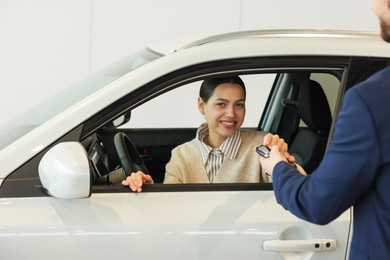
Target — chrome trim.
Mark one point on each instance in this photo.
(297, 33)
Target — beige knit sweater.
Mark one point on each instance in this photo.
(186, 164)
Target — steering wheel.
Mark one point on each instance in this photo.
(128, 155)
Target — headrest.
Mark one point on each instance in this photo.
(313, 106)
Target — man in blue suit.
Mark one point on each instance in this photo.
(355, 170)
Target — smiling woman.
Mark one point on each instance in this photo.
(221, 152)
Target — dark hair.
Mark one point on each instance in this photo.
(208, 86)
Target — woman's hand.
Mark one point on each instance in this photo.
(136, 180)
(279, 152)
(271, 140)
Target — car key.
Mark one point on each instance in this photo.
(263, 151)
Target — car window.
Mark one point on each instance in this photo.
(171, 119)
(162, 123)
(178, 108)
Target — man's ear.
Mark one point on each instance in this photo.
(201, 105)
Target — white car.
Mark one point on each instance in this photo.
(60, 191)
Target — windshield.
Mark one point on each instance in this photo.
(50, 107)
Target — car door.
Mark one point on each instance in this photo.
(216, 224)
(186, 221)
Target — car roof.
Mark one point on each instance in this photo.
(321, 37)
(298, 33)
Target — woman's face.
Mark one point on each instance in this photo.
(224, 112)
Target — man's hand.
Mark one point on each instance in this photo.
(278, 153)
(269, 163)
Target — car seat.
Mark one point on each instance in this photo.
(310, 142)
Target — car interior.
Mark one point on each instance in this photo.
(297, 109)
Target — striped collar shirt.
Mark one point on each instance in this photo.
(214, 157)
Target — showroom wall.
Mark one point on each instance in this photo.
(46, 45)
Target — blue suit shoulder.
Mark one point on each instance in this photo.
(374, 91)
(378, 80)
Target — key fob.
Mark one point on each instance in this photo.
(263, 151)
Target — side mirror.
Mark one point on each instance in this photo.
(64, 171)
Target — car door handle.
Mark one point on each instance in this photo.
(310, 245)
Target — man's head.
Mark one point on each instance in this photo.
(382, 9)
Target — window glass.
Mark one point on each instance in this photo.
(52, 105)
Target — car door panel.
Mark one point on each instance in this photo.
(160, 225)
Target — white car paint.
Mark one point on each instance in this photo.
(189, 225)
(169, 225)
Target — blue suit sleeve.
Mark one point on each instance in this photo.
(346, 172)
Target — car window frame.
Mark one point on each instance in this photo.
(31, 185)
